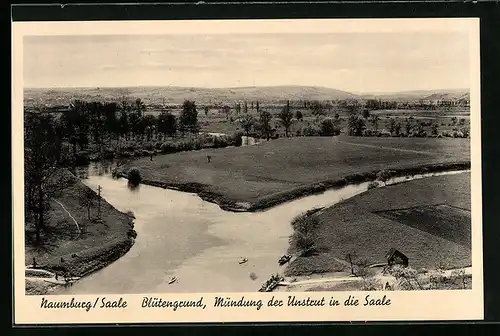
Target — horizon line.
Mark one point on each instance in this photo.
(248, 87)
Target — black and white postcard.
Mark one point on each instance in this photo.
(247, 171)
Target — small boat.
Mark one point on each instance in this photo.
(172, 280)
(242, 261)
(62, 280)
(284, 259)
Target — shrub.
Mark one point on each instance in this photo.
(310, 131)
(384, 133)
(372, 185)
(305, 223)
(370, 284)
(236, 139)
(385, 175)
(134, 176)
(302, 239)
(328, 128)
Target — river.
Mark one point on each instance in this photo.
(179, 234)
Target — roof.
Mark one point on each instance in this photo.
(392, 252)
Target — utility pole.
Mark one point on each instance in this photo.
(99, 188)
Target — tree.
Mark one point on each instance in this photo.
(257, 106)
(111, 123)
(227, 111)
(298, 115)
(245, 107)
(392, 125)
(167, 124)
(374, 119)
(247, 122)
(139, 107)
(434, 129)
(149, 123)
(265, 126)
(41, 152)
(88, 198)
(286, 117)
(189, 117)
(76, 123)
(397, 129)
(317, 108)
(134, 123)
(329, 128)
(96, 120)
(355, 125)
(366, 113)
(352, 257)
(408, 126)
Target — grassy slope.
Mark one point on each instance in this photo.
(352, 226)
(257, 173)
(99, 245)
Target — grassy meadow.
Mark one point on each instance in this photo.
(274, 169)
(355, 227)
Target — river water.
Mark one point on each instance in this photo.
(179, 234)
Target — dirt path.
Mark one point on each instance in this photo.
(392, 148)
(69, 214)
(321, 279)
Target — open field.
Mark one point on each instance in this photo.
(272, 172)
(355, 226)
(82, 247)
(217, 122)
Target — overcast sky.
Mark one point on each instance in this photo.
(355, 62)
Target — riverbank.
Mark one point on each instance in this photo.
(228, 204)
(428, 220)
(258, 177)
(71, 242)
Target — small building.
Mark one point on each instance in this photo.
(394, 257)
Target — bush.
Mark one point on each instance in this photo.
(384, 133)
(372, 185)
(328, 128)
(385, 175)
(134, 176)
(311, 131)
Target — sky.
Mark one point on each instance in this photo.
(354, 62)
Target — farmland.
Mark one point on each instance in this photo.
(356, 227)
(279, 168)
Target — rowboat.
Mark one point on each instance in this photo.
(284, 259)
(61, 281)
(172, 280)
(242, 261)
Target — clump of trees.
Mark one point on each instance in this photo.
(42, 153)
(302, 239)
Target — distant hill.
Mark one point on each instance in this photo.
(176, 95)
(264, 94)
(452, 94)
